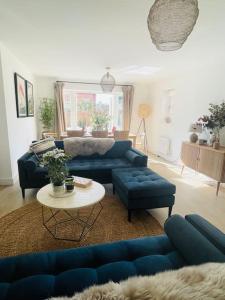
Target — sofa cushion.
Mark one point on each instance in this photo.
(191, 243)
(135, 158)
(41, 147)
(213, 234)
(98, 164)
(60, 273)
(118, 150)
(142, 183)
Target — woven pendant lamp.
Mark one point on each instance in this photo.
(107, 82)
(170, 22)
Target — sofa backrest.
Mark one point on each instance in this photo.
(195, 246)
(118, 150)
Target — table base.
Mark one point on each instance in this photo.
(85, 222)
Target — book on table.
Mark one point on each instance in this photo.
(82, 182)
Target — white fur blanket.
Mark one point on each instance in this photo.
(86, 146)
(190, 283)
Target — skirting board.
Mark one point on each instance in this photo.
(8, 181)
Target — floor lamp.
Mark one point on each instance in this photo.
(143, 113)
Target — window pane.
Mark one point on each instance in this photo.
(81, 107)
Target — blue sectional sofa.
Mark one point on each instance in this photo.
(97, 167)
(189, 241)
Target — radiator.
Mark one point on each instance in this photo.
(164, 145)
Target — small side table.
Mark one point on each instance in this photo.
(69, 210)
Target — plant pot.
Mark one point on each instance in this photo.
(58, 190)
(216, 145)
(69, 183)
(193, 137)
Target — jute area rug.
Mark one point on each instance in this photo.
(22, 230)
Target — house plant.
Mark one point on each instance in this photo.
(100, 120)
(55, 161)
(47, 113)
(215, 121)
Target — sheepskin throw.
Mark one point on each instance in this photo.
(201, 283)
(75, 146)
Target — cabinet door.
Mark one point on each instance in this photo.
(189, 155)
(211, 163)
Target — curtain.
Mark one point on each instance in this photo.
(128, 95)
(60, 115)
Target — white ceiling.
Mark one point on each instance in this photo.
(77, 39)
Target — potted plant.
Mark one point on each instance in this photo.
(100, 120)
(55, 161)
(215, 121)
(47, 113)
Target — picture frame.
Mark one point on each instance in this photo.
(21, 98)
(30, 99)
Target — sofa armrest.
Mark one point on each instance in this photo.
(26, 164)
(190, 243)
(213, 234)
(136, 158)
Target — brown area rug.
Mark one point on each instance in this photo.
(22, 231)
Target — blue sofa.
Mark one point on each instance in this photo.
(189, 241)
(97, 167)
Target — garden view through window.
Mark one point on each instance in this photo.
(93, 110)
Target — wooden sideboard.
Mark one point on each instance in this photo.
(205, 160)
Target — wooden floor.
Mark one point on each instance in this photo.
(195, 194)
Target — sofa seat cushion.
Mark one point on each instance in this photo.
(61, 273)
(98, 164)
(142, 183)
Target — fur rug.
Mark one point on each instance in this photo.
(75, 146)
(201, 283)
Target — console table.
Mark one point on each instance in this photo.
(205, 160)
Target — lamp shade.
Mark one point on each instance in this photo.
(107, 82)
(170, 22)
(144, 111)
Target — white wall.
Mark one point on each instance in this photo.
(19, 132)
(45, 89)
(192, 93)
(5, 163)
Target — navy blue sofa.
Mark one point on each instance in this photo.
(189, 241)
(97, 167)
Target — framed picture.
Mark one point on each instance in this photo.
(20, 90)
(30, 99)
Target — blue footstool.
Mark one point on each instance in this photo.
(141, 188)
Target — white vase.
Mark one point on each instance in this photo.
(58, 190)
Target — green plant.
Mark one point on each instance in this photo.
(55, 161)
(217, 117)
(100, 120)
(47, 113)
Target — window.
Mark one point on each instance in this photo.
(81, 108)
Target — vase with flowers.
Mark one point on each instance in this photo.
(55, 161)
(215, 122)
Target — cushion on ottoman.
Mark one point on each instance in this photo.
(142, 183)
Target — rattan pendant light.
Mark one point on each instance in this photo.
(107, 82)
(170, 22)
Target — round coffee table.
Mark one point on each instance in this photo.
(79, 210)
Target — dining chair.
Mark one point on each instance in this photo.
(121, 134)
(47, 134)
(100, 133)
(75, 133)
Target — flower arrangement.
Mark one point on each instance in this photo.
(216, 120)
(55, 161)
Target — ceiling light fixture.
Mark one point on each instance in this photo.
(170, 22)
(107, 82)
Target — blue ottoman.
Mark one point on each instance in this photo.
(141, 188)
